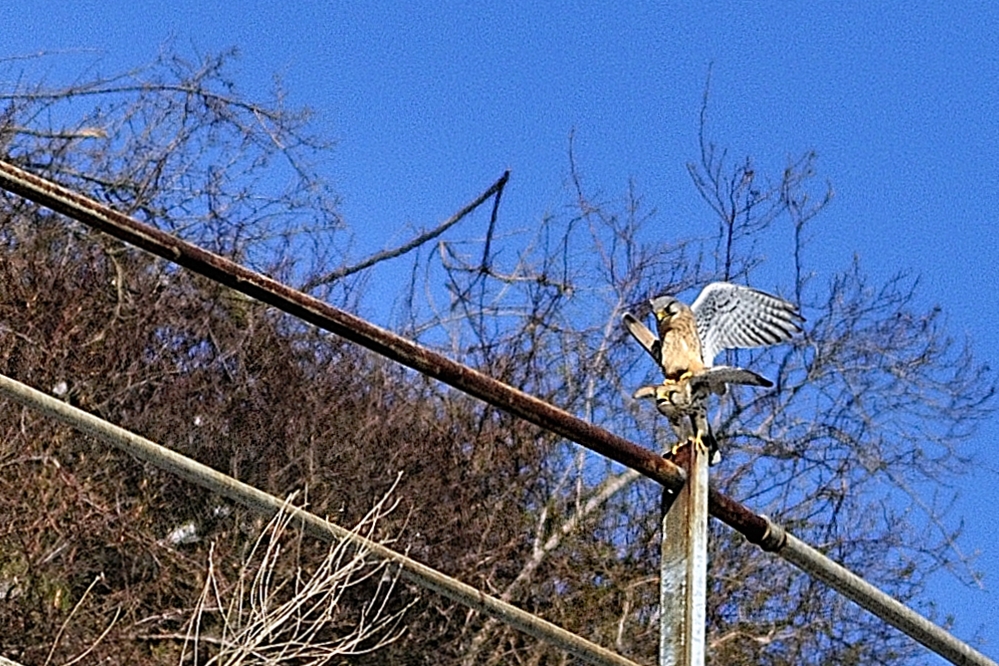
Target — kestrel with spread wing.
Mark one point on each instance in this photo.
(724, 316)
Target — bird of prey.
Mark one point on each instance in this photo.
(724, 316)
(685, 402)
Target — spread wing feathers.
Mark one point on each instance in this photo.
(714, 379)
(732, 316)
(645, 337)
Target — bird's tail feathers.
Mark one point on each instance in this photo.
(714, 454)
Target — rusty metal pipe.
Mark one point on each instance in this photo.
(337, 321)
(756, 529)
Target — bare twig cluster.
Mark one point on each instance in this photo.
(278, 614)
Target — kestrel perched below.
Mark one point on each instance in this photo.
(724, 316)
(685, 402)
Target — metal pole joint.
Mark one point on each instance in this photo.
(774, 538)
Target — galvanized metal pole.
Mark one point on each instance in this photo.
(684, 564)
(257, 500)
(867, 596)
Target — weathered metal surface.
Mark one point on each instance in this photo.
(266, 504)
(892, 611)
(337, 321)
(683, 568)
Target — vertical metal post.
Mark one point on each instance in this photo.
(683, 568)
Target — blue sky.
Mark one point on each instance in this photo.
(431, 102)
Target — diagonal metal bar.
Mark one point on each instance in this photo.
(266, 504)
(757, 529)
(337, 321)
(858, 590)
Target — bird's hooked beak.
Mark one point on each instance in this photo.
(664, 307)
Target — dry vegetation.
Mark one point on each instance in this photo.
(872, 404)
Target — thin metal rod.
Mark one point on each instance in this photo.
(683, 574)
(266, 504)
(865, 595)
(757, 529)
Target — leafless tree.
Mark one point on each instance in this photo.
(868, 420)
(852, 450)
